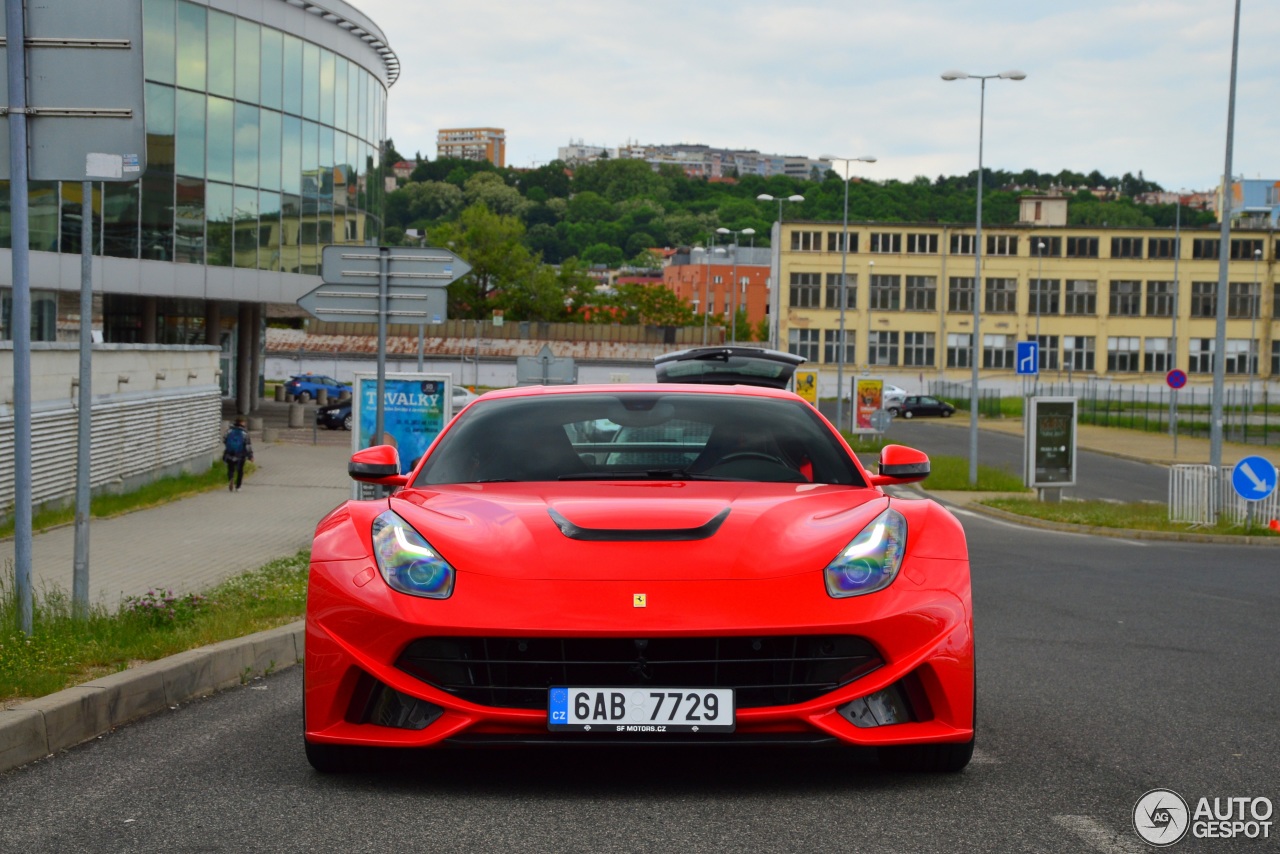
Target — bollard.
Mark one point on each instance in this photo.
(280, 394)
(270, 434)
(296, 414)
(255, 424)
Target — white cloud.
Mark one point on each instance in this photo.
(1113, 85)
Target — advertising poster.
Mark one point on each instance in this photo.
(1051, 435)
(415, 409)
(807, 385)
(868, 396)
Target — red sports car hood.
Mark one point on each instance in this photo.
(639, 530)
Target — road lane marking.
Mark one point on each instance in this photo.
(1098, 836)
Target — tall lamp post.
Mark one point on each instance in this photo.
(845, 172)
(1039, 296)
(775, 267)
(977, 261)
(706, 285)
(733, 287)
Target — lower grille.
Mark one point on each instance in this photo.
(515, 673)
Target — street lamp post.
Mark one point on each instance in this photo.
(733, 286)
(977, 261)
(775, 267)
(846, 172)
(1253, 341)
(1039, 296)
(706, 285)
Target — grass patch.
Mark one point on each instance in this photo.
(1139, 516)
(952, 473)
(153, 494)
(63, 651)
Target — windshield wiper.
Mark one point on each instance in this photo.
(650, 474)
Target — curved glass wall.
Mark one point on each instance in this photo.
(261, 148)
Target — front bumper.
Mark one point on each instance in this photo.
(357, 630)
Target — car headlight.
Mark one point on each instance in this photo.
(872, 560)
(407, 561)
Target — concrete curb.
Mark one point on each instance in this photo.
(49, 724)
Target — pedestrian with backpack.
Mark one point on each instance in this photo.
(236, 449)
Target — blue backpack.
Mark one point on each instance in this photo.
(235, 442)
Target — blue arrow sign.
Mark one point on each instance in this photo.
(1028, 357)
(1254, 478)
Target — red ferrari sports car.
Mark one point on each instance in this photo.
(640, 564)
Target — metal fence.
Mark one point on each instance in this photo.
(1193, 495)
(989, 399)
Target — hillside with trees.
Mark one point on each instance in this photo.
(530, 235)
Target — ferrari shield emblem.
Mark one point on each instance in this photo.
(638, 600)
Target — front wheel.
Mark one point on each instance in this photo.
(908, 414)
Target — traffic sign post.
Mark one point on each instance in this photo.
(405, 282)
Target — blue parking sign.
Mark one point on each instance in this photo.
(1028, 357)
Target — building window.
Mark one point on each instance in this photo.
(1045, 294)
(922, 244)
(998, 351)
(1205, 248)
(804, 343)
(1162, 247)
(1052, 247)
(830, 351)
(960, 294)
(806, 241)
(1002, 244)
(1081, 297)
(1200, 356)
(886, 242)
(1048, 351)
(1241, 357)
(835, 241)
(922, 293)
(1242, 299)
(1275, 358)
(884, 349)
(1157, 355)
(962, 244)
(1159, 299)
(1244, 249)
(1126, 298)
(1001, 296)
(44, 314)
(1077, 352)
(1122, 355)
(1082, 247)
(1204, 299)
(806, 290)
(917, 349)
(850, 290)
(886, 292)
(1126, 247)
(959, 350)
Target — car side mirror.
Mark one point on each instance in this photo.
(900, 464)
(379, 464)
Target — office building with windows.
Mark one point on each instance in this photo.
(1124, 304)
(265, 122)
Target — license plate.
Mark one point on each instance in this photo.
(640, 710)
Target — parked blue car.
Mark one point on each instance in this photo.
(306, 387)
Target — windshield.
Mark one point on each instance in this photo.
(639, 436)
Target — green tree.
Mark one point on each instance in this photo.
(650, 305)
(488, 189)
(493, 245)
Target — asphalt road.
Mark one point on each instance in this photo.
(1098, 476)
(1106, 668)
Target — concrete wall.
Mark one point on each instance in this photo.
(157, 411)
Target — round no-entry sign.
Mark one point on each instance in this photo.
(1176, 379)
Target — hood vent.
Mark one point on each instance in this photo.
(652, 535)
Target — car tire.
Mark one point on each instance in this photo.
(946, 413)
(895, 411)
(908, 414)
(927, 758)
(346, 422)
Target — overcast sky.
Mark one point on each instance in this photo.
(1113, 85)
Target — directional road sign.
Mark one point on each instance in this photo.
(359, 303)
(409, 266)
(1028, 357)
(1254, 478)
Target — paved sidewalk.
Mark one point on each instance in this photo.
(193, 544)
